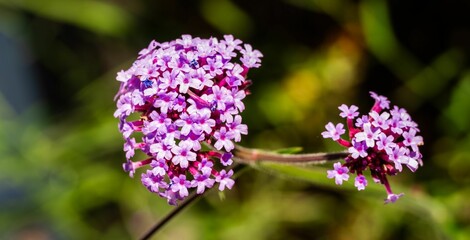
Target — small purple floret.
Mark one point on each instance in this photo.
(224, 180)
(339, 173)
(391, 198)
(360, 182)
(348, 112)
(333, 132)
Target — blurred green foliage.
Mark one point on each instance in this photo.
(61, 153)
(99, 17)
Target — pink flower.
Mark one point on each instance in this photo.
(382, 141)
(391, 198)
(360, 182)
(224, 180)
(333, 132)
(183, 93)
(348, 112)
(339, 173)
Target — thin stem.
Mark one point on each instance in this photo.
(191, 198)
(248, 155)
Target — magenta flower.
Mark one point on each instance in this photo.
(226, 159)
(237, 128)
(358, 149)
(360, 182)
(339, 173)
(176, 97)
(251, 57)
(367, 135)
(202, 181)
(183, 154)
(348, 112)
(385, 142)
(224, 180)
(391, 198)
(380, 121)
(180, 185)
(381, 141)
(224, 139)
(333, 132)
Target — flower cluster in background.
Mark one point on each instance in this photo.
(176, 97)
(383, 142)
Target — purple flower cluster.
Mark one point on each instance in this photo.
(176, 97)
(383, 141)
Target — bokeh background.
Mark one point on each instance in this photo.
(61, 153)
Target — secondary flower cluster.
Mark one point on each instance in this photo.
(382, 141)
(177, 96)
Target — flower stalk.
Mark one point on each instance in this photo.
(250, 156)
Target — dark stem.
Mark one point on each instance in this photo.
(191, 198)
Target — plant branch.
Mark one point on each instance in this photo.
(249, 156)
(191, 198)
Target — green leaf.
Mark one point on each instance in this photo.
(291, 150)
(226, 16)
(97, 16)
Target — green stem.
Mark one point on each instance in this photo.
(249, 156)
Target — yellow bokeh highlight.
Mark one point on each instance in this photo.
(302, 87)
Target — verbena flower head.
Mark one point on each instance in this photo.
(382, 142)
(176, 97)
